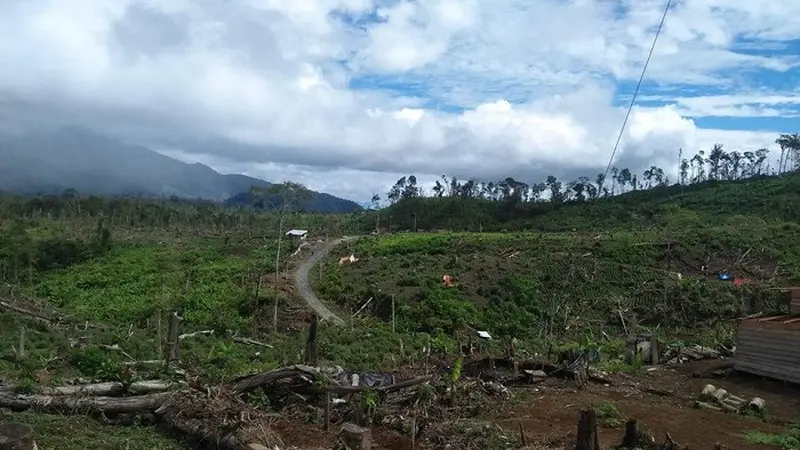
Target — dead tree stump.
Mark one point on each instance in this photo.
(354, 437)
(16, 436)
(587, 431)
(637, 438)
(311, 342)
(173, 341)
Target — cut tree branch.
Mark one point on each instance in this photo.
(106, 405)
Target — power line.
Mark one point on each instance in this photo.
(636, 91)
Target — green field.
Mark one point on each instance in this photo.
(569, 277)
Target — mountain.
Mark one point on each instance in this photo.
(73, 158)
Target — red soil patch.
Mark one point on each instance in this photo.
(552, 415)
(549, 413)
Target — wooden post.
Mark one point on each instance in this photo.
(393, 323)
(654, 351)
(173, 343)
(311, 342)
(16, 436)
(328, 411)
(587, 431)
(413, 433)
(21, 350)
(631, 437)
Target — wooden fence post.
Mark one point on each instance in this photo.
(173, 342)
(311, 342)
(587, 431)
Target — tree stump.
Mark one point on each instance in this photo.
(311, 342)
(16, 436)
(355, 437)
(587, 431)
(637, 438)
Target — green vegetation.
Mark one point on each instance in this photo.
(81, 432)
(571, 277)
(521, 284)
(788, 440)
(608, 415)
(711, 188)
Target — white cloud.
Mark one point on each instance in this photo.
(271, 81)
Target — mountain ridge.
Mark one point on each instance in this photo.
(92, 164)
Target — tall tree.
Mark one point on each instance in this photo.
(287, 196)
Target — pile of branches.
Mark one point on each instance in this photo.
(216, 414)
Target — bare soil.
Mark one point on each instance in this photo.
(549, 412)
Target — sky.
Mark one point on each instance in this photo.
(346, 96)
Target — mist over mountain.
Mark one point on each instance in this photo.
(74, 158)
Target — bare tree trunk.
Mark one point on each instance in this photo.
(278, 268)
(311, 342)
(172, 351)
(108, 405)
(587, 431)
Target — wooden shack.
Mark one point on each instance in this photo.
(794, 302)
(770, 346)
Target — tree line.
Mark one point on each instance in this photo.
(715, 164)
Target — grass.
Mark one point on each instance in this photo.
(81, 432)
(508, 282)
(608, 415)
(788, 440)
(217, 269)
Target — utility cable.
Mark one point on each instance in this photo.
(636, 92)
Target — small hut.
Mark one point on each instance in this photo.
(770, 346)
(297, 234)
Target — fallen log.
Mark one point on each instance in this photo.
(217, 416)
(250, 382)
(255, 381)
(32, 314)
(47, 319)
(248, 341)
(380, 389)
(106, 405)
(109, 389)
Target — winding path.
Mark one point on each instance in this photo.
(304, 287)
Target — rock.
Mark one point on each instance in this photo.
(16, 436)
(708, 392)
(355, 437)
(254, 446)
(536, 373)
(757, 404)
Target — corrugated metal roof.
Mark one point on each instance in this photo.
(792, 320)
(770, 347)
(296, 232)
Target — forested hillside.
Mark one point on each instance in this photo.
(711, 188)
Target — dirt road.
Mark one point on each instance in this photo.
(304, 287)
